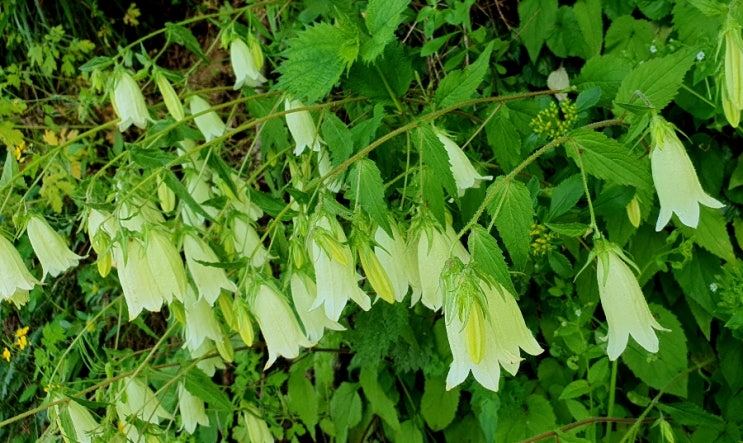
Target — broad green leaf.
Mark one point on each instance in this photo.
(408, 433)
(566, 38)
(378, 400)
(511, 208)
(201, 386)
(488, 415)
(575, 389)
(665, 370)
(696, 277)
(657, 80)
(504, 139)
(690, 414)
(537, 18)
(459, 86)
(367, 188)
(712, 234)
(338, 137)
(438, 406)
(731, 360)
(606, 72)
(607, 159)
(382, 19)
(345, 409)
(565, 196)
(629, 37)
(654, 9)
(175, 185)
(302, 399)
(588, 15)
(388, 77)
(183, 36)
(315, 60)
(525, 420)
(489, 256)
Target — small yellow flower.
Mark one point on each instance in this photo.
(21, 332)
(6, 354)
(18, 150)
(22, 342)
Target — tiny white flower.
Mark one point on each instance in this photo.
(625, 308)
(335, 270)
(128, 102)
(301, 127)
(209, 280)
(700, 56)
(247, 63)
(192, 409)
(653, 49)
(315, 321)
(208, 122)
(490, 338)
(713, 287)
(278, 324)
(465, 175)
(16, 281)
(50, 247)
(674, 177)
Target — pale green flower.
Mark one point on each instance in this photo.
(675, 179)
(278, 324)
(246, 241)
(392, 255)
(170, 97)
(315, 321)
(465, 175)
(301, 127)
(733, 61)
(258, 431)
(128, 102)
(247, 63)
(16, 281)
(335, 270)
(84, 425)
(488, 337)
(209, 280)
(208, 122)
(192, 409)
(136, 399)
(201, 324)
(434, 248)
(625, 308)
(50, 247)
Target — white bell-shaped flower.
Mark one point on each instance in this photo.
(50, 247)
(434, 248)
(675, 178)
(247, 63)
(192, 409)
(315, 321)
(208, 122)
(128, 102)
(16, 281)
(392, 255)
(85, 427)
(465, 175)
(301, 127)
(201, 324)
(209, 280)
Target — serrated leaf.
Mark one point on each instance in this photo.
(489, 256)
(665, 370)
(575, 389)
(537, 18)
(389, 75)
(629, 37)
(302, 399)
(459, 86)
(345, 409)
(606, 72)
(96, 63)
(588, 16)
(511, 208)
(608, 159)
(382, 19)
(438, 406)
(712, 234)
(183, 36)
(338, 137)
(201, 386)
(689, 414)
(367, 188)
(379, 402)
(657, 80)
(315, 60)
(435, 157)
(566, 39)
(525, 420)
(504, 139)
(565, 195)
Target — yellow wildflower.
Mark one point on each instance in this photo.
(6, 354)
(22, 342)
(22, 332)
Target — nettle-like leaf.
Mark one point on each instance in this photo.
(608, 159)
(434, 156)
(459, 86)
(537, 18)
(315, 60)
(489, 256)
(511, 208)
(378, 400)
(382, 19)
(657, 80)
(367, 188)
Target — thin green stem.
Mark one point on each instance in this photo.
(612, 399)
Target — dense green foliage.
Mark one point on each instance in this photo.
(478, 178)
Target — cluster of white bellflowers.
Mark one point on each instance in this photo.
(485, 327)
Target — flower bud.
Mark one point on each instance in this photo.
(375, 273)
(733, 62)
(171, 99)
(165, 195)
(128, 102)
(315, 321)
(50, 248)
(633, 212)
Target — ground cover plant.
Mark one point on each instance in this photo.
(380, 220)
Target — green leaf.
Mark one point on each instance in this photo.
(696, 277)
(689, 414)
(606, 72)
(302, 399)
(338, 137)
(566, 39)
(565, 196)
(489, 256)
(435, 157)
(10, 168)
(201, 386)
(657, 80)
(511, 208)
(183, 36)
(9, 135)
(408, 433)
(504, 139)
(379, 402)
(459, 86)
(588, 16)
(438, 406)
(575, 389)
(96, 63)
(367, 188)
(315, 60)
(629, 37)
(665, 370)
(345, 409)
(388, 77)
(537, 18)
(712, 234)
(488, 415)
(607, 159)
(382, 19)
(525, 420)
